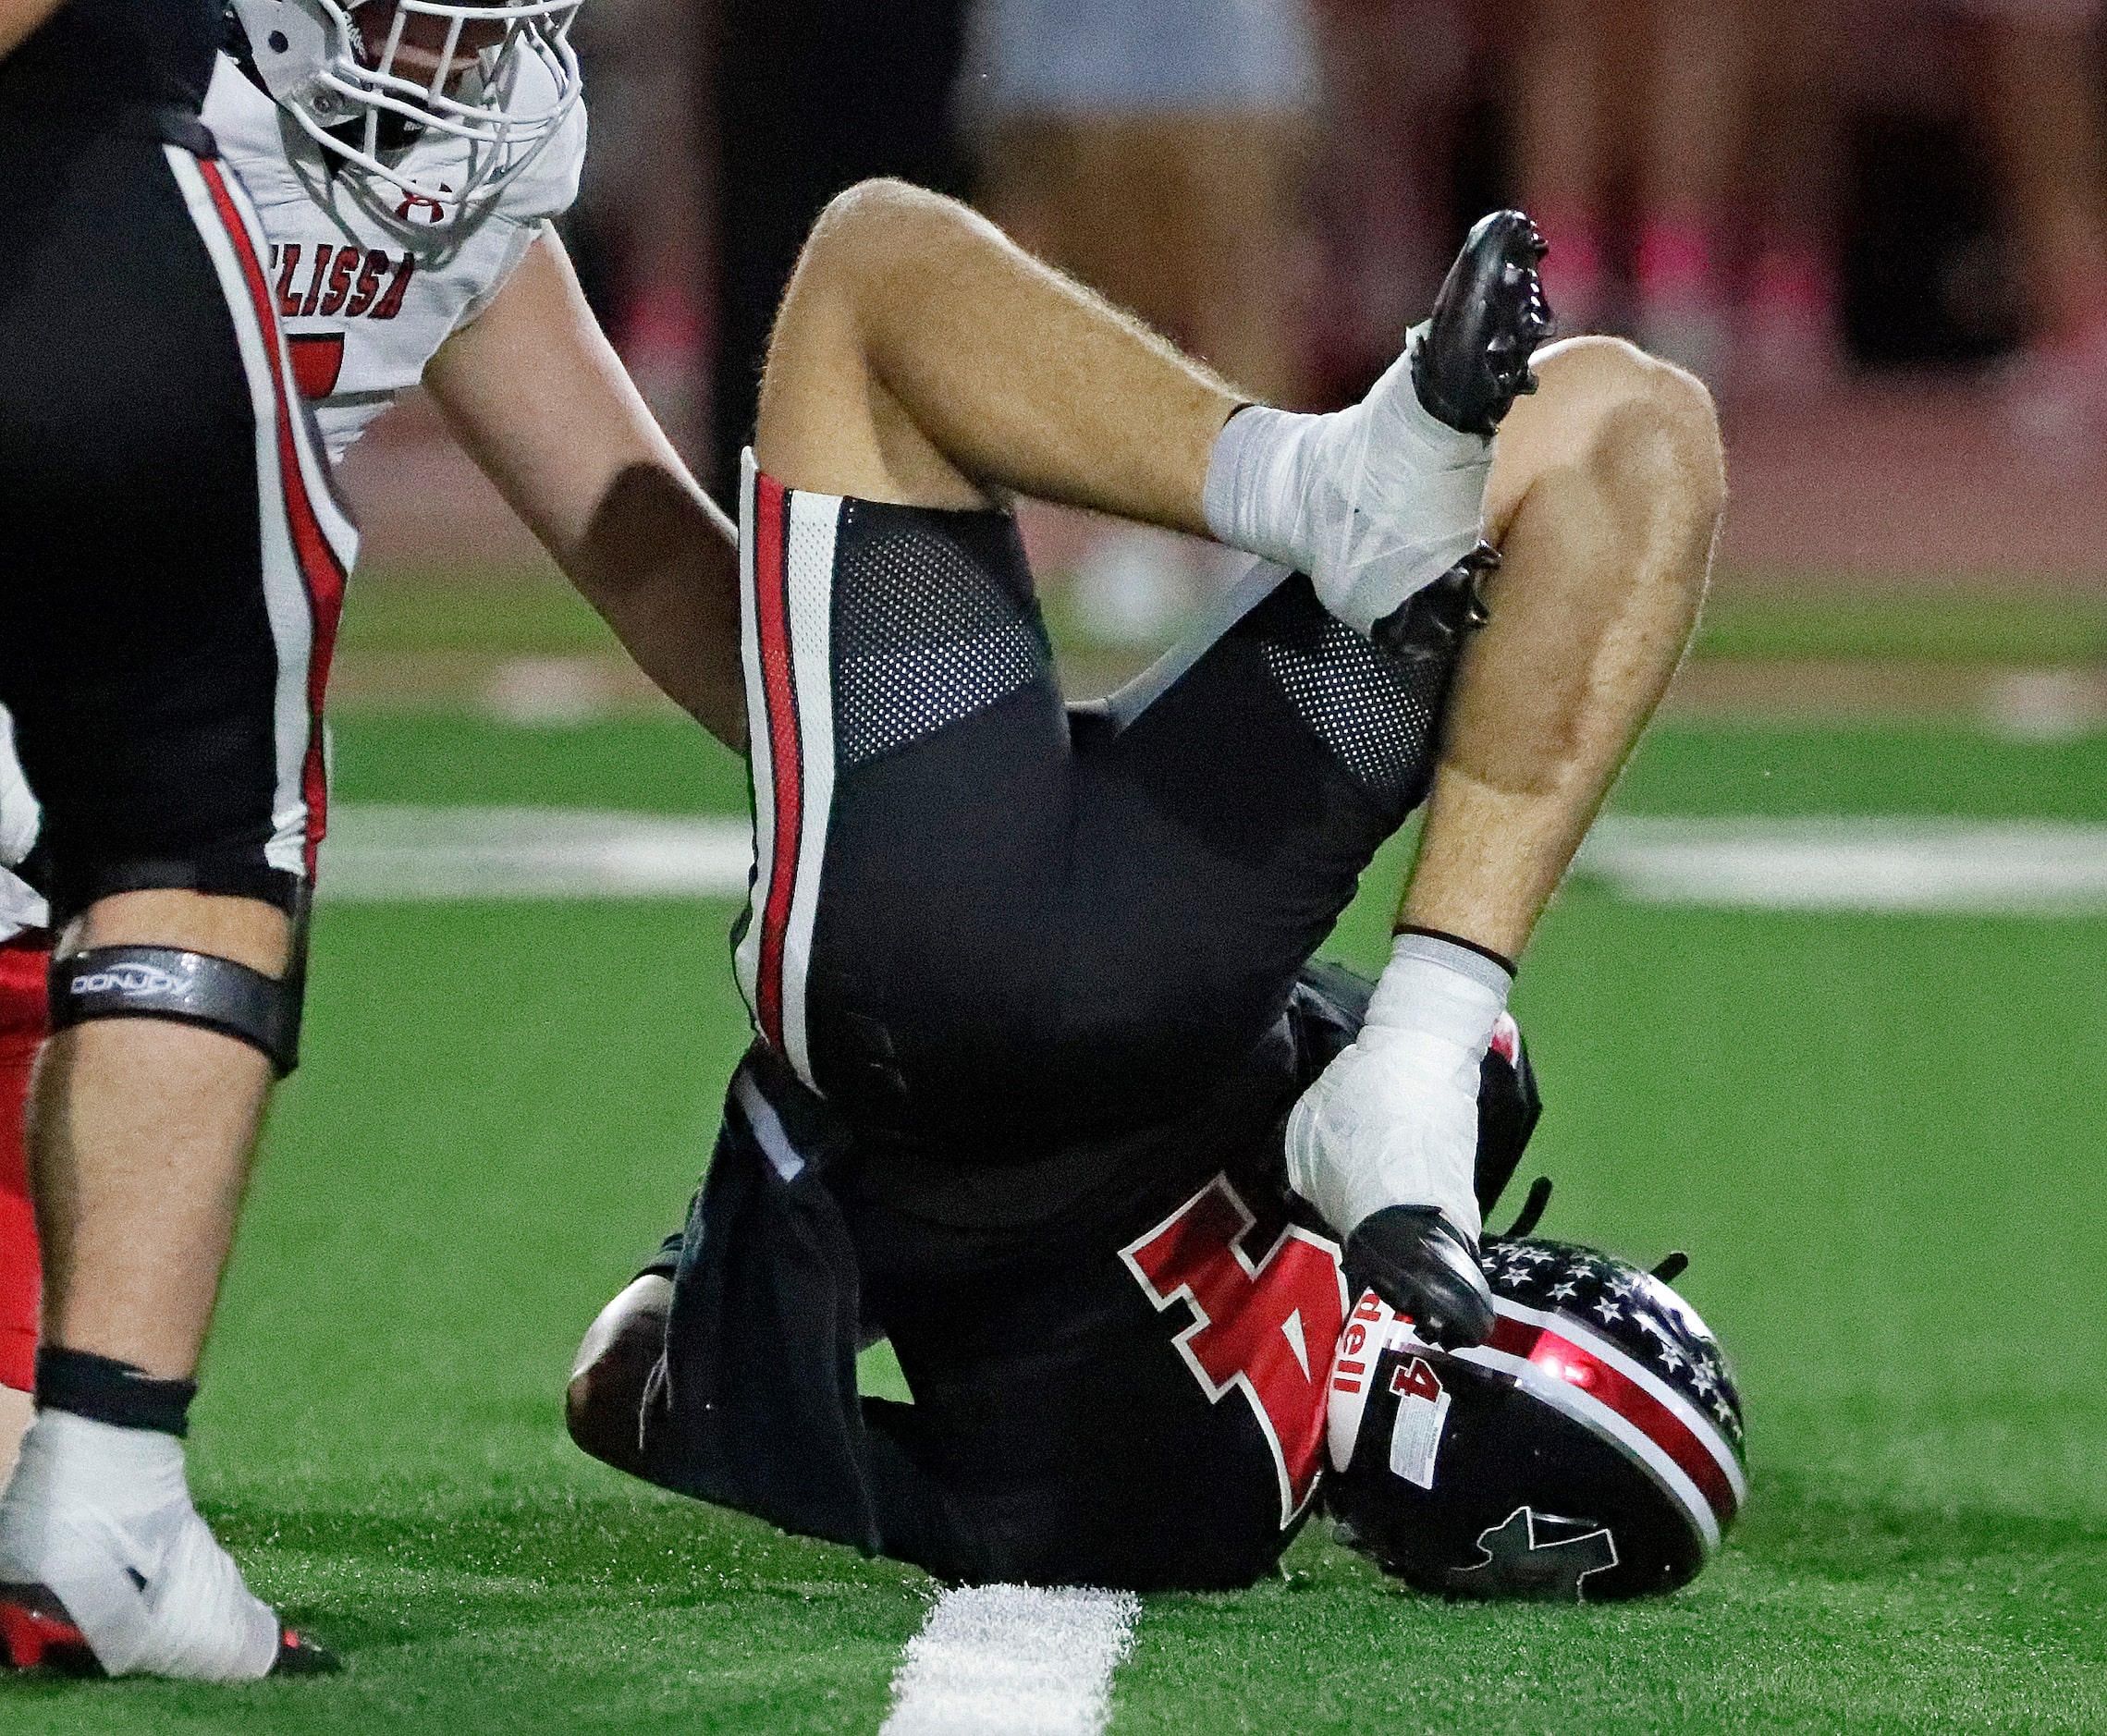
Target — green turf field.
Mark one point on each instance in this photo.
(1879, 1138)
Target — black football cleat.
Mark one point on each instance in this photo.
(1426, 1268)
(1474, 359)
(36, 1632)
(1430, 624)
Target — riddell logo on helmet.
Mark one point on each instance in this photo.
(1375, 1332)
(128, 978)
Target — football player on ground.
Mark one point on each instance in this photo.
(404, 157)
(1041, 1074)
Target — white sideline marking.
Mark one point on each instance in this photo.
(1985, 867)
(384, 853)
(379, 854)
(1013, 1660)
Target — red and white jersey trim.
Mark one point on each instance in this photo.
(1561, 1362)
(786, 542)
(308, 546)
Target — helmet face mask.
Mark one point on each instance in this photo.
(1591, 1451)
(360, 77)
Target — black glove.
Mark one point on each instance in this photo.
(1426, 1268)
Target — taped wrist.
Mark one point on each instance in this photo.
(193, 988)
(1441, 988)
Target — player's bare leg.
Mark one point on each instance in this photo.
(139, 1135)
(1604, 503)
(920, 358)
(140, 1139)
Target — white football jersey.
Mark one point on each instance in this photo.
(368, 283)
(19, 817)
(367, 289)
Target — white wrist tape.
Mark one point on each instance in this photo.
(1439, 986)
(1374, 502)
(1393, 1120)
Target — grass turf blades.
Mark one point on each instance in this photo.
(1878, 1136)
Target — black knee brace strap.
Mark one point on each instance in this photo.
(191, 988)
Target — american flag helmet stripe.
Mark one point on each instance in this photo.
(1563, 1362)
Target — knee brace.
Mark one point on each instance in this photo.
(191, 988)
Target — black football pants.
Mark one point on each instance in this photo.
(171, 558)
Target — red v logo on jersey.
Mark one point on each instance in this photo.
(1268, 1329)
(317, 361)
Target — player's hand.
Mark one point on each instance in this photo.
(1385, 1146)
(1384, 1143)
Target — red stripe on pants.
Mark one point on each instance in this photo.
(321, 572)
(778, 686)
(23, 964)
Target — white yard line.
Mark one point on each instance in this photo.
(1013, 1660)
(2027, 868)
(1932, 866)
(386, 854)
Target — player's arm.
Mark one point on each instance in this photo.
(20, 20)
(535, 393)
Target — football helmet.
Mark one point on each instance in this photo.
(360, 77)
(1591, 1448)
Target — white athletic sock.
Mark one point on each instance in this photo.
(1374, 503)
(90, 1507)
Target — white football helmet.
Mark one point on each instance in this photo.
(498, 74)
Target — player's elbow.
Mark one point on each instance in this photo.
(602, 1404)
(604, 1421)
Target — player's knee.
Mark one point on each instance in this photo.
(865, 227)
(225, 964)
(251, 931)
(1640, 420)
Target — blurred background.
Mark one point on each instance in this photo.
(1877, 227)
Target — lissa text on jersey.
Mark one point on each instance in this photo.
(352, 281)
